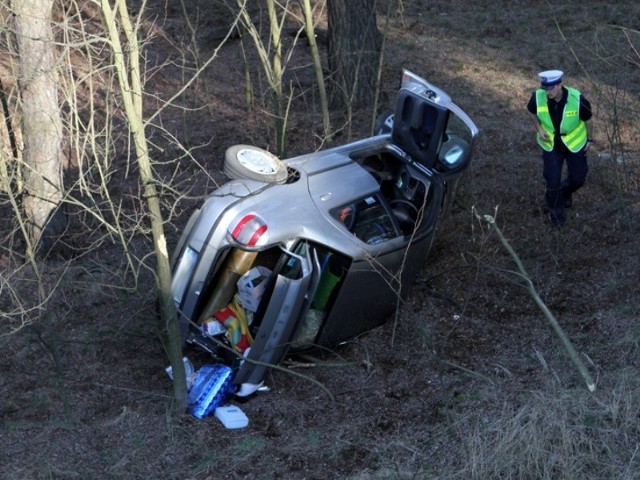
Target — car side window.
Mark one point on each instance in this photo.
(456, 147)
(367, 219)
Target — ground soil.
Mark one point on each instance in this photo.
(84, 393)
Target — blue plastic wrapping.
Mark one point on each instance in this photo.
(212, 388)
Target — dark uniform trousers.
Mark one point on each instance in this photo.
(558, 192)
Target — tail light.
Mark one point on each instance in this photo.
(249, 230)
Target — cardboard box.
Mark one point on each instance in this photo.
(251, 287)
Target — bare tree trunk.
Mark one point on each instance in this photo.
(275, 30)
(272, 63)
(354, 51)
(127, 64)
(41, 121)
(317, 67)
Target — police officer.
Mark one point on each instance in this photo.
(560, 114)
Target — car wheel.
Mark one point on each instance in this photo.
(253, 163)
(384, 123)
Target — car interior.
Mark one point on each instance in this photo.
(404, 189)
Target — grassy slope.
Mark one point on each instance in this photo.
(475, 384)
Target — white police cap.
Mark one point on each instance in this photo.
(550, 77)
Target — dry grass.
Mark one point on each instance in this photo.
(561, 434)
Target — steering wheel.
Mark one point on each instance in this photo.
(406, 203)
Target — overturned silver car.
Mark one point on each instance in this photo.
(314, 250)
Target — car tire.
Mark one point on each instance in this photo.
(384, 123)
(245, 162)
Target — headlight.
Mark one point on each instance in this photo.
(183, 273)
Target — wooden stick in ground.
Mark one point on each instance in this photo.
(489, 220)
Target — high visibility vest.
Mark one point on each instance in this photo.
(573, 131)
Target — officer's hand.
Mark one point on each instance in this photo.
(543, 135)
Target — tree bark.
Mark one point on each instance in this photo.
(41, 120)
(354, 44)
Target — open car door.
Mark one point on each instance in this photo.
(430, 128)
(292, 287)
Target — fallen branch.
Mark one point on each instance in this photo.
(489, 220)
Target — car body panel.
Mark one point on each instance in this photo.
(343, 238)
